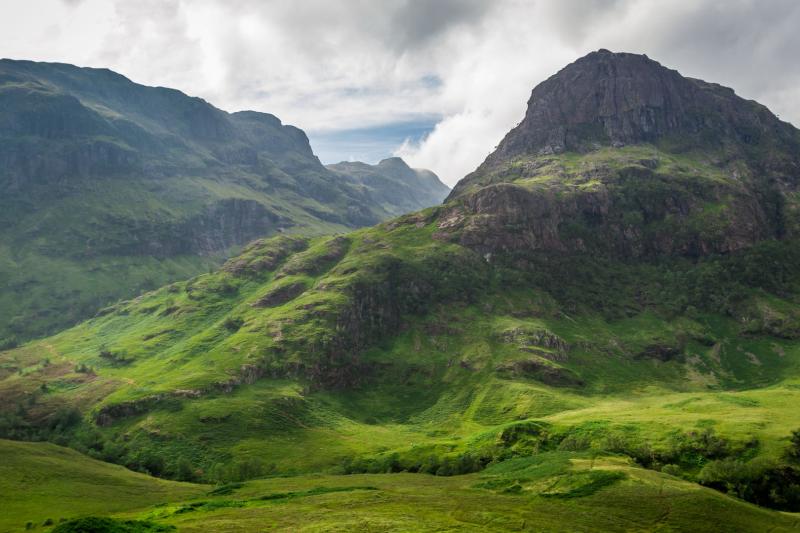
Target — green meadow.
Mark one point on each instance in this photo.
(553, 491)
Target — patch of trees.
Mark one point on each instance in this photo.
(438, 465)
(769, 482)
(115, 358)
(617, 287)
(110, 525)
(764, 482)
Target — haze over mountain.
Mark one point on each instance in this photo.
(394, 184)
(604, 314)
(109, 188)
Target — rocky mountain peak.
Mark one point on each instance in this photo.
(616, 99)
(618, 154)
(393, 162)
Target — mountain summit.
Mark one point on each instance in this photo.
(617, 99)
(621, 155)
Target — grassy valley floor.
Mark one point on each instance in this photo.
(556, 491)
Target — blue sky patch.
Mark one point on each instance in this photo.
(369, 145)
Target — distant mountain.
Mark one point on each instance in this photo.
(108, 187)
(394, 185)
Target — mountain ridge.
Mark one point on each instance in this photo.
(102, 176)
(388, 182)
(635, 100)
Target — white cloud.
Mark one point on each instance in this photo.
(748, 45)
(353, 64)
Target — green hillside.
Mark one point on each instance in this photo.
(597, 328)
(44, 484)
(109, 188)
(389, 350)
(40, 481)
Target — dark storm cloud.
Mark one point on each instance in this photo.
(418, 23)
(751, 45)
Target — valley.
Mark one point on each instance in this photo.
(596, 330)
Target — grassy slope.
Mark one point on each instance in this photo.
(554, 493)
(550, 492)
(441, 383)
(52, 276)
(40, 481)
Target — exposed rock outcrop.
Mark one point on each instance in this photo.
(510, 218)
(616, 99)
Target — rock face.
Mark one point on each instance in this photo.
(619, 99)
(508, 218)
(392, 181)
(618, 154)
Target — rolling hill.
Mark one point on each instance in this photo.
(617, 281)
(580, 494)
(42, 482)
(109, 188)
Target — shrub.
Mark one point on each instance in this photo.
(672, 470)
(114, 358)
(82, 368)
(233, 323)
(184, 471)
(65, 418)
(250, 468)
(8, 343)
(759, 481)
(794, 447)
(154, 464)
(94, 524)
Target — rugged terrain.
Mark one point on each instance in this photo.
(109, 188)
(604, 311)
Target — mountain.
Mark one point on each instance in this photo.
(397, 187)
(619, 154)
(628, 296)
(108, 188)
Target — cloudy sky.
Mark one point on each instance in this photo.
(436, 81)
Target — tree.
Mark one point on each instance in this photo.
(184, 471)
(794, 448)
